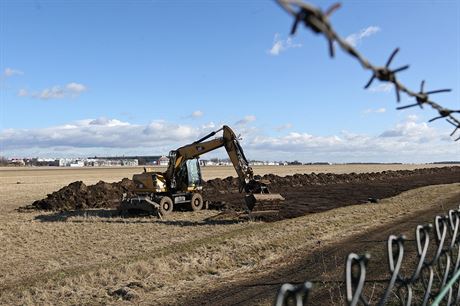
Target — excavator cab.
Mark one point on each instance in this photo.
(188, 177)
(193, 173)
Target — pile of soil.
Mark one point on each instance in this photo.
(77, 195)
(304, 193)
(299, 180)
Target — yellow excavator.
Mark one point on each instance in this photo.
(158, 192)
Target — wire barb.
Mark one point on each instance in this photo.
(422, 97)
(385, 74)
(318, 21)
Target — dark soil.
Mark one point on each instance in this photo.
(77, 196)
(304, 193)
(311, 193)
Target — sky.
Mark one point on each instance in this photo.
(84, 78)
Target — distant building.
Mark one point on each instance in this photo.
(17, 161)
(141, 160)
(96, 162)
(65, 162)
(163, 161)
(77, 163)
(130, 162)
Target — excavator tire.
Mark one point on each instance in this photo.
(196, 202)
(166, 205)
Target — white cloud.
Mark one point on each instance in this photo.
(355, 38)
(408, 141)
(103, 121)
(72, 90)
(207, 126)
(162, 130)
(384, 87)
(246, 120)
(101, 133)
(10, 72)
(283, 127)
(378, 110)
(411, 129)
(194, 115)
(23, 92)
(197, 114)
(412, 117)
(280, 45)
(76, 87)
(55, 92)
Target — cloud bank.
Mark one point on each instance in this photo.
(407, 141)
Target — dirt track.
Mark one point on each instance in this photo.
(325, 265)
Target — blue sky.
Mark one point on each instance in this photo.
(142, 77)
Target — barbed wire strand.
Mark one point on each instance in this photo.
(318, 21)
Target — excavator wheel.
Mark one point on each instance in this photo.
(166, 205)
(196, 202)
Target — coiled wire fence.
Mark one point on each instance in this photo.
(435, 280)
(318, 21)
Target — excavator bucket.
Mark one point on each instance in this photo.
(264, 202)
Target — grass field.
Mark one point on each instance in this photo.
(85, 258)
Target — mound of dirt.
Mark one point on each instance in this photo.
(77, 195)
(304, 193)
(299, 180)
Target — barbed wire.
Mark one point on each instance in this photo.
(318, 21)
(430, 276)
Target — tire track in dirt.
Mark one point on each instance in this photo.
(324, 266)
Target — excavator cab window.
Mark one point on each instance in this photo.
(194, 173)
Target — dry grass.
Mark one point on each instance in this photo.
(83, 259)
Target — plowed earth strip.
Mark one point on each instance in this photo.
(302, 199)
